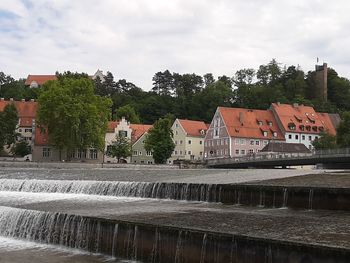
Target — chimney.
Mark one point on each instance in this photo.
(241, 117)
(295, 105)
(11, 99)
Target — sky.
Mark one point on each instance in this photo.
(134, 39)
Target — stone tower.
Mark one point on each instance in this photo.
(320, 91)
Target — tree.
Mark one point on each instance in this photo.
(73, 115)
(325, 141)
(159, 141)
(129, 113)
(21, 149)
(163, 83)
(8, 123)
(120, 148)
(343, 131)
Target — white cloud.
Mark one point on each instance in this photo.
(134, 39)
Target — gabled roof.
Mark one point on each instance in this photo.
(39, 79)
(247, 123)
(26, 111)
(302, 119)
(111, 126)
(194, 128)
(282, 147)
(138, 130)
(41, 137)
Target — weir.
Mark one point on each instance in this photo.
(152, 243)
(235, 194)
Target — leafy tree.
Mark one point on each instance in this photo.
(74, 116)
(208, 79)
(159, 141)
(120, 148)
(163, 83)
(325, 141)
(343, 131)
(8, 123)
(129, 113)
(21, 148)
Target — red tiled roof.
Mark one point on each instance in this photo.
(26, 111)
(249, 127)
(138, 130)
(39, 79)
(112, 125)
(193, 128)
(304, 118)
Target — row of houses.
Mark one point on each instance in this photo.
(233, 132)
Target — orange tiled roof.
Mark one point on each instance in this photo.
(193, 128)
(26, 111)
(112, 125)
(302, 119)
(249, 127)
(39, 79)
(138, 130)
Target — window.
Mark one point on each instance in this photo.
(297, 137)
(189, 152)
(123, 134)
(19, 130)
(303, 137)
(176, 125)
(46, 152)
(216, 132)
(189, 142)
(149, 162)
(242, 141)
(265, 133)
(200, 142)
(251, 142)
(176, 133)
(93, 154)
(27, 130)
(251, 151)
(237, 141)
(289, 136)
(237, 151)
(149, 153)
(270, 123)
(242, 151)
(134, 153)
(81, 154)
(140, 153)
(180, 141)
(200, 153)
(257, 142)
(310, 138)
(175, 152)
(266, 142)
(274, 134)
(175, 142)
(260, 123)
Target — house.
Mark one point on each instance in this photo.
(26, 111)
(43, 151)
(34, 81)
(116, 128)
(139, 154)
(237, 132)
(188, 136)
(302, 124)
(284, 148)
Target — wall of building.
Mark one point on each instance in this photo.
(139, 154)
(179, 137)
(303, 138)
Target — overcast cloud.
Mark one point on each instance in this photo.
(136, 38)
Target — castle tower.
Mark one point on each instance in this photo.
(320, 91)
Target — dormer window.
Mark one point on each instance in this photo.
(269, 123)
(314, 128)
(274, 134)
(265, 133)
(202, 132)
(321, 128)
(291, 126)
(308, 127)
(260, 122)
(302, 127)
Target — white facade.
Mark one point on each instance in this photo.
(304, 138)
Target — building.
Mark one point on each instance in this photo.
(302, 124)
(139, 154)
(320, 90)
(285, 148)
(34, 81)
(26, 111)
(188, 137)
(236, 132)
(117, 128)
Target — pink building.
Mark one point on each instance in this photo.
(237, 132)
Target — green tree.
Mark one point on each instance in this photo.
(120, 148)
(343, 131)
(8, 123)
(325, 141)
(129, 113)
(21, 149)
(159, 141)
(73, 115)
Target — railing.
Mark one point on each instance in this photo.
(279, 156)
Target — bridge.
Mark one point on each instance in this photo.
(339, 157)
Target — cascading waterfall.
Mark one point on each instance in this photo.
(178, 191)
